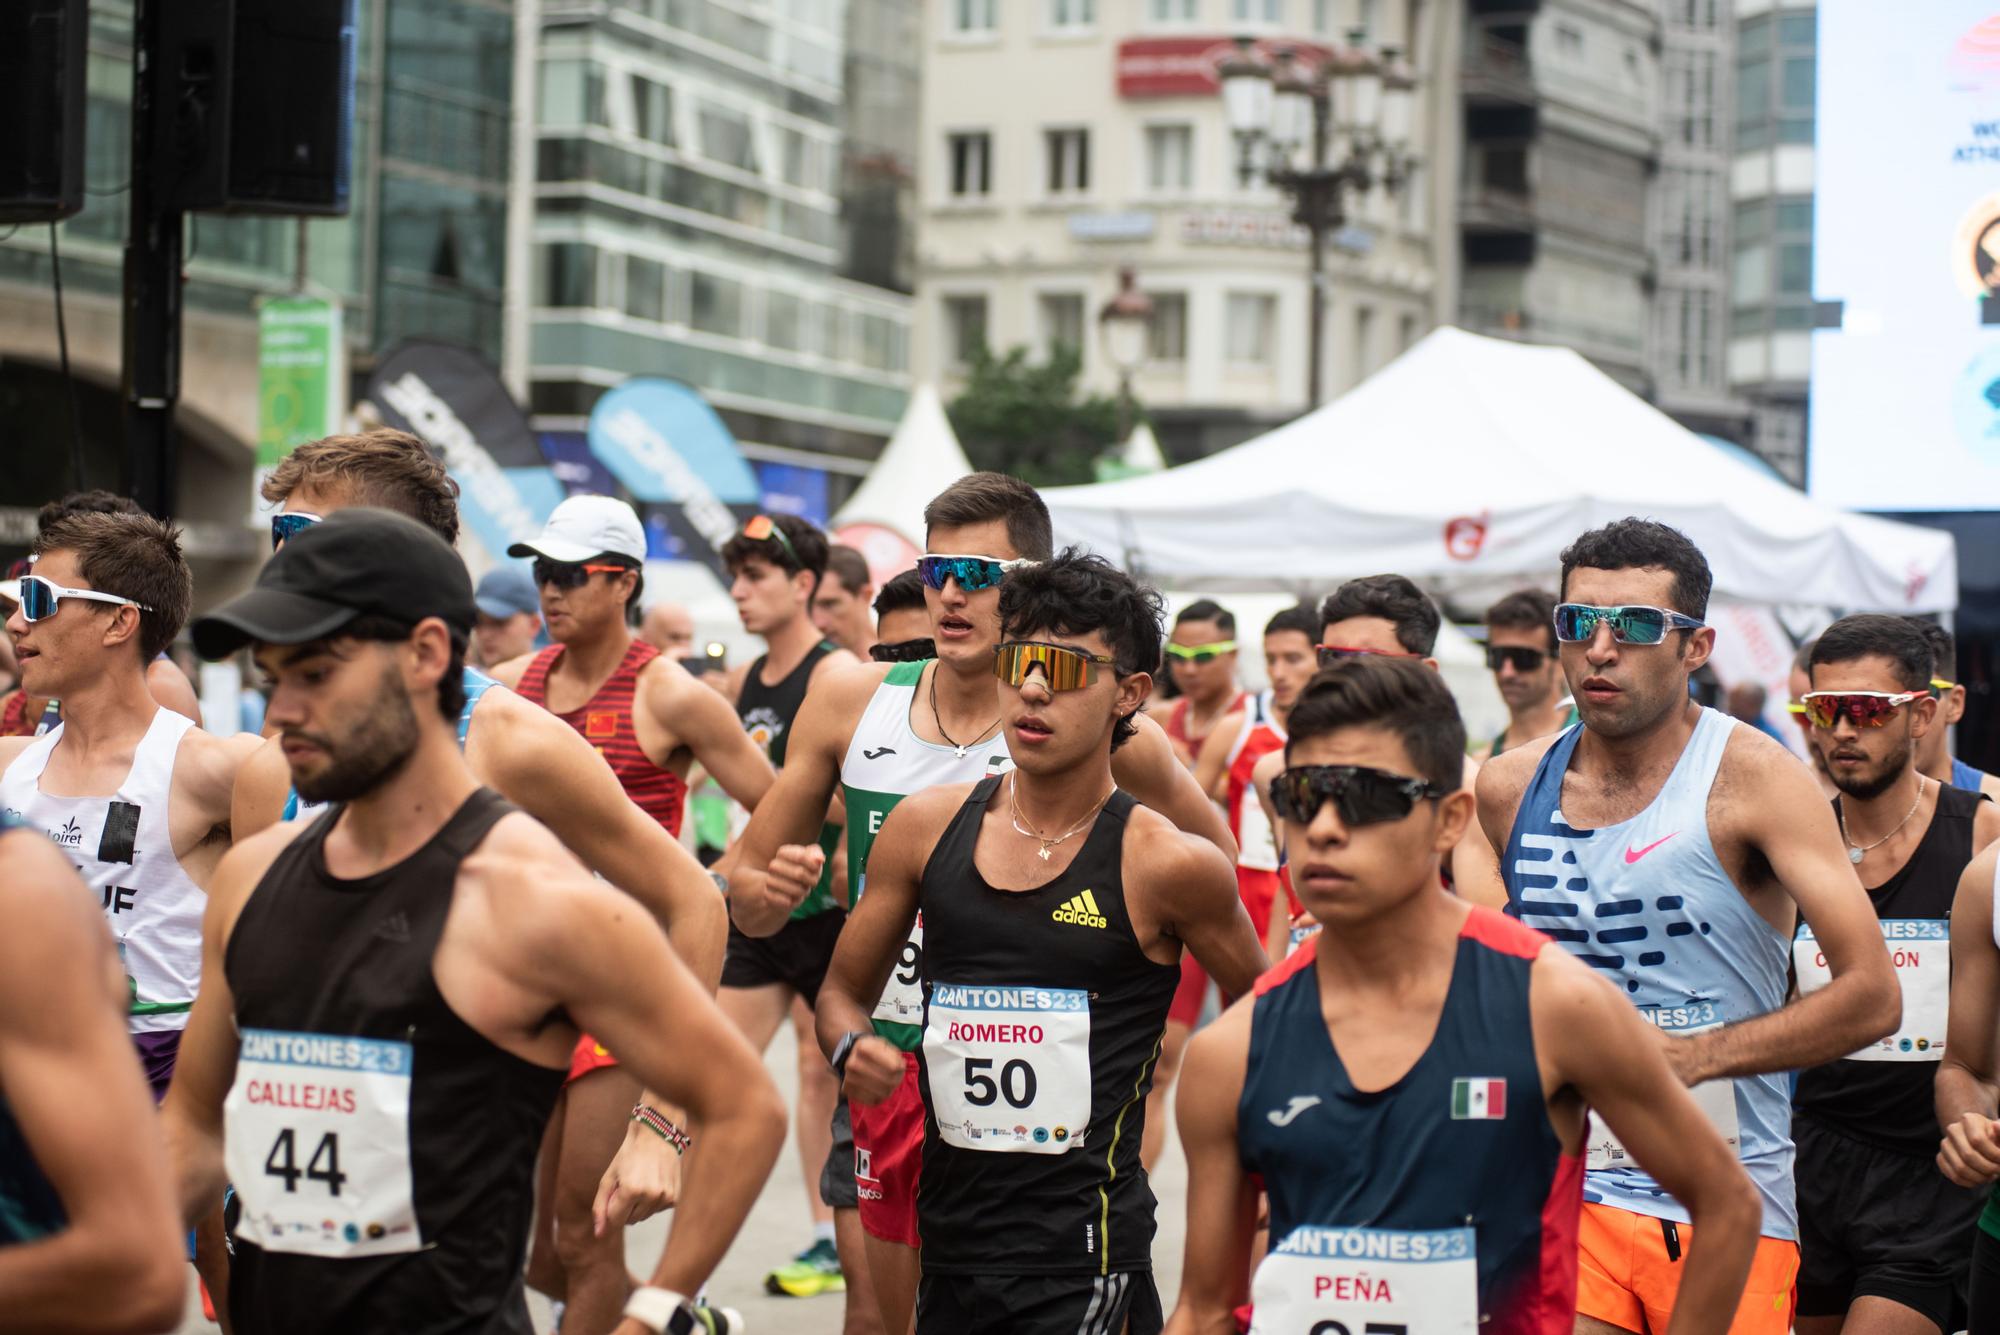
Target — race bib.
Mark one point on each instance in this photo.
(1258, 847)
(1367, 1281)
(1920, 948)
(317, 1143)
(1715, 1098)
(1009, 1067)
(903, 999)
(1302, 932)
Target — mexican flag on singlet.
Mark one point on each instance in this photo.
(886, 761)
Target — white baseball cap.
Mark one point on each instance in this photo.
(586, 526)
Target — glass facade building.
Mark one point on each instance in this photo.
(689, 222)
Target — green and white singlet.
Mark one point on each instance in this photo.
(886, 761)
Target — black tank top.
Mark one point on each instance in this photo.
(1042, 1024)
(1889, 1104)
(767, 711)
(313, 955)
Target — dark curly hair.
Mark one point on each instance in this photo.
(1077, 593)
(1875, 635)
(1394, 599)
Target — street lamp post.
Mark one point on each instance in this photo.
(1126, 323)
(1355, 109)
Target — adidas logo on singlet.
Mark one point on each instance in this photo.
(1081, 910)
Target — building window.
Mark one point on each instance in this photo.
(964, 328)
(1569, 41)
(1068, 153)
(1171, 11)
(569, 274)
(1406, 333)
(1251, 317)
(727, 137)
(652, 111)
(1169, 326)
(645, 288)
(784, 321)
(717, 304)
(1364, 334)
(971, 164)
(1257, 11)
(1072, 15)
(974, 16)
(1062, 321)
(1169, 159)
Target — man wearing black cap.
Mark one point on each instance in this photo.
(395, 988)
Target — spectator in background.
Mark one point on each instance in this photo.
(669, 627)
(1745, 703)
(902, 621)
(510, 615)
(840, 605)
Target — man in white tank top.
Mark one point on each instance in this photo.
(135, 795)
(1674, 852)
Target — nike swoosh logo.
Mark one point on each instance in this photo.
(878, 753)
(1299, 1103)
(1632, 855)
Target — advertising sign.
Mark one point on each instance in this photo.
(668, 447)
(1905, 392)
(454, 402)
(301, 374)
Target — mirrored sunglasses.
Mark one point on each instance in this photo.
(1866, 709)
(973, 573)
(42, 598)
(289, 525)
(1063, 668)
(1578, 622)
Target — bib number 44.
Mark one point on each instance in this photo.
(323, 1166)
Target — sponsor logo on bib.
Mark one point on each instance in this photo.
(1082, 911)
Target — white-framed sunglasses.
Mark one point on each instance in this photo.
(42, 598)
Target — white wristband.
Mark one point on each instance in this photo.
(654, 1308)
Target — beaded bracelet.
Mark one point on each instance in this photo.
(658, 1124)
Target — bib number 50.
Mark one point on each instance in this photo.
(1016, 1083)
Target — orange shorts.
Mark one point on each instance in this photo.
(889, 1160)
(1624, 1274)
(589, 1056)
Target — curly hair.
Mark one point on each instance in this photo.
(1077, 593)
(385, 467)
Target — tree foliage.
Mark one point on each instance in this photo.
(1025, 418)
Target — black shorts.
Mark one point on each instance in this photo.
(836, 1177)
(1039, 1304)
(1984, 1297)
(796, 955)
(1874, 1223)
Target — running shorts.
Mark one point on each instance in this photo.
(1983, 1290)
(1259, 890)
(1874, 1223)
(1629, 1270)
(590, 1055)
(889, 1159)
(158, 1051)
(836, 1176)
(1039, 1304)
(795, 956)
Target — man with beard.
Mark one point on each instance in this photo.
(135, 795)
(1674, 850)
(396, 989)
(541, 764)
(1521, 654)
(1885, 1242)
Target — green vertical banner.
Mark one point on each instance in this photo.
(299, 373)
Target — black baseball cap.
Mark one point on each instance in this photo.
(357, 562)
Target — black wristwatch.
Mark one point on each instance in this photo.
(843, 1050)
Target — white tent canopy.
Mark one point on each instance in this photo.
(920, 460)
(1469, 462)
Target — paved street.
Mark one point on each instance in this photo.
(777, 1228)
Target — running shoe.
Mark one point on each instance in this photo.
(814, 1271)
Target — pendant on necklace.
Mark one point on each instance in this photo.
(958, 751)
(1855, 855)
(1044, 852)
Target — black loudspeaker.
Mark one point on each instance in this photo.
(257, 105)
(42, 54)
